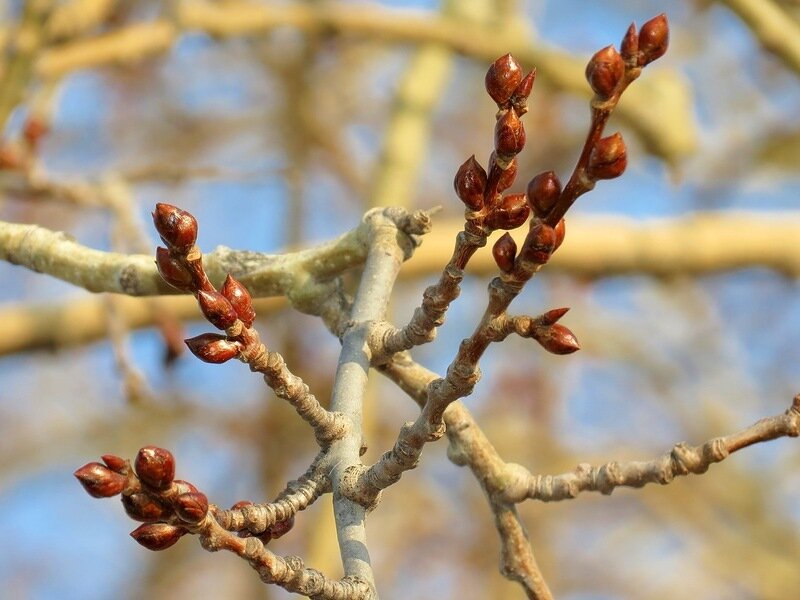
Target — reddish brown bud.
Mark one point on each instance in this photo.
(173, 271)
(507, 175)
(609, 158)
(155, 466)
(629, 47)
(116, 463)
(653, 39)
(191, 507)
(511, 212)
(519, 99)
(280, 528)
(509, 135)
(99, 481)
(241, 504)
(240, 299)
(543, 192)
(539, 243)
(217, 309)
(213, 348)
(551, 317)
(502, 78)
(558, 340)
(157, 536)
(470, 182)
(142, 507)
(177, 228)
(561, 231)
(604, 71)
(10, 157)
(504, 252)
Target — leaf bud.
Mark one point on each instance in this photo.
(504, 252)
(604, 71)
(173, 271)
(99, 481)
(653, 39)
(502, 78)
(191, 507)
(116, 463)
(177, 228)
(608, 158)
(142, 507)
(509, 135)
(470, 183)
(240, 299)
(155, 466)
(539, 243)
(217, 309)
(543, 192)
(557, 339)
(519, 99)
(213, 348)
(629, 47)
(551, 317)
(157, 536)
(511, 212)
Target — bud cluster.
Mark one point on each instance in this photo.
(481, 192)
(165, 506)
(609, 71)
(180, 265)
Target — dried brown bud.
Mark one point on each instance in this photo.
(177, 228)
(519, 99)
(173, 271)
(157, 536)
(539, 243)
(551, 317)
(558, 340)
(543, 192)
(502, 78)
(99, 481)
(142, 507)
(509, 135)
(155, 466)
(511, 212)
(116, 463)
(609, 158)
(504, 252)
(629, 47)
(213, 348)
(217, 309)
(653, 39)
(507, 175)
(470, 183)
(240, 299)
(604, 71)
(191, 507)
(280, 528)
(561, 231)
